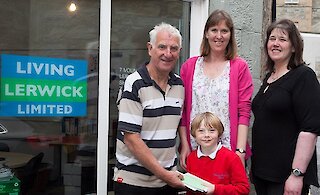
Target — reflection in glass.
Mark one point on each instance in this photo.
(46, 29)
(131, 22)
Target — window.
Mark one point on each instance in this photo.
(291, 1)
(131, 22)
(60, 46)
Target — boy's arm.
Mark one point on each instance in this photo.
(239, 180)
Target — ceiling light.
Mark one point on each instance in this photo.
(72, 7)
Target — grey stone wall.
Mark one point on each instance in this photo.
(306, 14)
(301, 15)
(247, 17)
(316, 16)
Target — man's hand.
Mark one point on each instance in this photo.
(143, 154)
(173, 179)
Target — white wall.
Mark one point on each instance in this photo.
(311, 52)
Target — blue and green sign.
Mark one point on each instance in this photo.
(40, 86)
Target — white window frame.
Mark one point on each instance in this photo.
(199, 14)
(291, 1)
(103, 102)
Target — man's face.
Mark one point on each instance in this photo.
(165, 52)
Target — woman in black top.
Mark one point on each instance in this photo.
(287, 117)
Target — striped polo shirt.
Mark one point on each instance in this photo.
(145, 109)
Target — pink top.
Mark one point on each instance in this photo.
(240, 93)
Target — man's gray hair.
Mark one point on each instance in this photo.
(164, 27)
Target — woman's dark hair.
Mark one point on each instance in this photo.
(215, 18)
(295, 39)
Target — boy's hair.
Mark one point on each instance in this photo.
(209, 119)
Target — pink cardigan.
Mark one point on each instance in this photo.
(240, 93)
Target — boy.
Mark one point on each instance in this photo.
(213, 162)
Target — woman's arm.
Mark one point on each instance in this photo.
(186, 74)
(245, 91)
(304, 150)
(242, 141)
(184, 147)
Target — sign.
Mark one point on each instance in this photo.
(40, 86)
(123, 74)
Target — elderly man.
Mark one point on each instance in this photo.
(150, 106)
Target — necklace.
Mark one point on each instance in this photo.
(265, 89)
(274, 76)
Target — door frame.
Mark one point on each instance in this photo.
(103, 96)
(197, 6)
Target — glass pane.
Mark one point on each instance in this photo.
(131, 22)
(49, 58)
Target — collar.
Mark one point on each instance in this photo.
(146, 76)
(212, 155)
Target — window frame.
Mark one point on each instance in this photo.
(291, 1)
(196, 28)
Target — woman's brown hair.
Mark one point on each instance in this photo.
(215, 18)
(295, 39)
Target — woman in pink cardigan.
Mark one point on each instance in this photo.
(220, 82)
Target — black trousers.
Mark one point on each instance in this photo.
(125, 189)
(264, 187)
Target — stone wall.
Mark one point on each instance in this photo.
(316, 16)
(300, 14)
(247, 17)
(306, 14)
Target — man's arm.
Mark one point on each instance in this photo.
(304, 150)
(143, 154)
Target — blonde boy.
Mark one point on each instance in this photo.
(213, 162)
